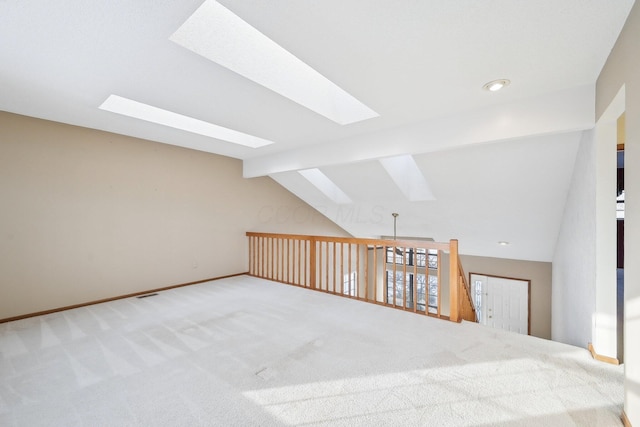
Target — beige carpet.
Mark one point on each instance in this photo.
(244, 351)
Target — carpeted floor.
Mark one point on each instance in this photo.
(243, 351)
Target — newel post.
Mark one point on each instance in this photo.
(454, 289)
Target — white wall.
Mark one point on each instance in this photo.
(574, 261)
(623, 69)
(605, 316)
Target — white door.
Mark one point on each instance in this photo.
(501, 303)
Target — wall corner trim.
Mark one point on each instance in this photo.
(606, 359)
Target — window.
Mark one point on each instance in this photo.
(433, 292)
(420, 256)
(423, 264)
(477, 294)
(620, 205)
(421, 290)
(396, 285)
(423, 274)
(350, 281)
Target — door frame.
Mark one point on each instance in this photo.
(512, 278)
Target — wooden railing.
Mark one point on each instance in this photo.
(404, 274)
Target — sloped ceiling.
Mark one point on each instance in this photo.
(499, 164)
(509, 191)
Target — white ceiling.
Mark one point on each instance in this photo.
(509, 191)
(498, 164)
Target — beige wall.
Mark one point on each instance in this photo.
(88, 215)
(538, 272)
(623, 68)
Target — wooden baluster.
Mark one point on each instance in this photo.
(385, 279)
(298, 264)
(274, 260)
(349, 262)
(272, 257)
(250, 255)
(284, 260)
(265, 248)
(366, 271)
(281, 258)
(394, 275)
(335, 270)
(326, 266)
(289, 260)
(319, 257)
(280, 261)
(257, 260)
(358, 248)
(303, 262)
(415, 280)
(454, 288)
(305, 258)
(439, 279)
(265, 257)
(292, 261)
(404, 278)
(375, 273)
(312, 263)
(342, 268)
(259, 257)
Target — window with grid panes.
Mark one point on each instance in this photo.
(426, 280)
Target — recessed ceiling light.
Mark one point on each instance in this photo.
(323, 183)
(503, 243)
(496, 85)
(216, 33)
(138, 110)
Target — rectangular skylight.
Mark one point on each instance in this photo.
(219, 35)
(408, 177)
(138, 110)
(325, 185)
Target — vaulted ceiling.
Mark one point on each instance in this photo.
(497, 165)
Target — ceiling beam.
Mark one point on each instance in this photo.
(565, 111)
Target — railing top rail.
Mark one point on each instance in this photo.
(280, 235)
(371, 242)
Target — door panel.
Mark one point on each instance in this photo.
(504, 303)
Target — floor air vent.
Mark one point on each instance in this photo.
(147, 295)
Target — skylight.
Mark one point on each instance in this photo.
(325, 185)
(138, 110)
(407, 176)
(219, 35)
